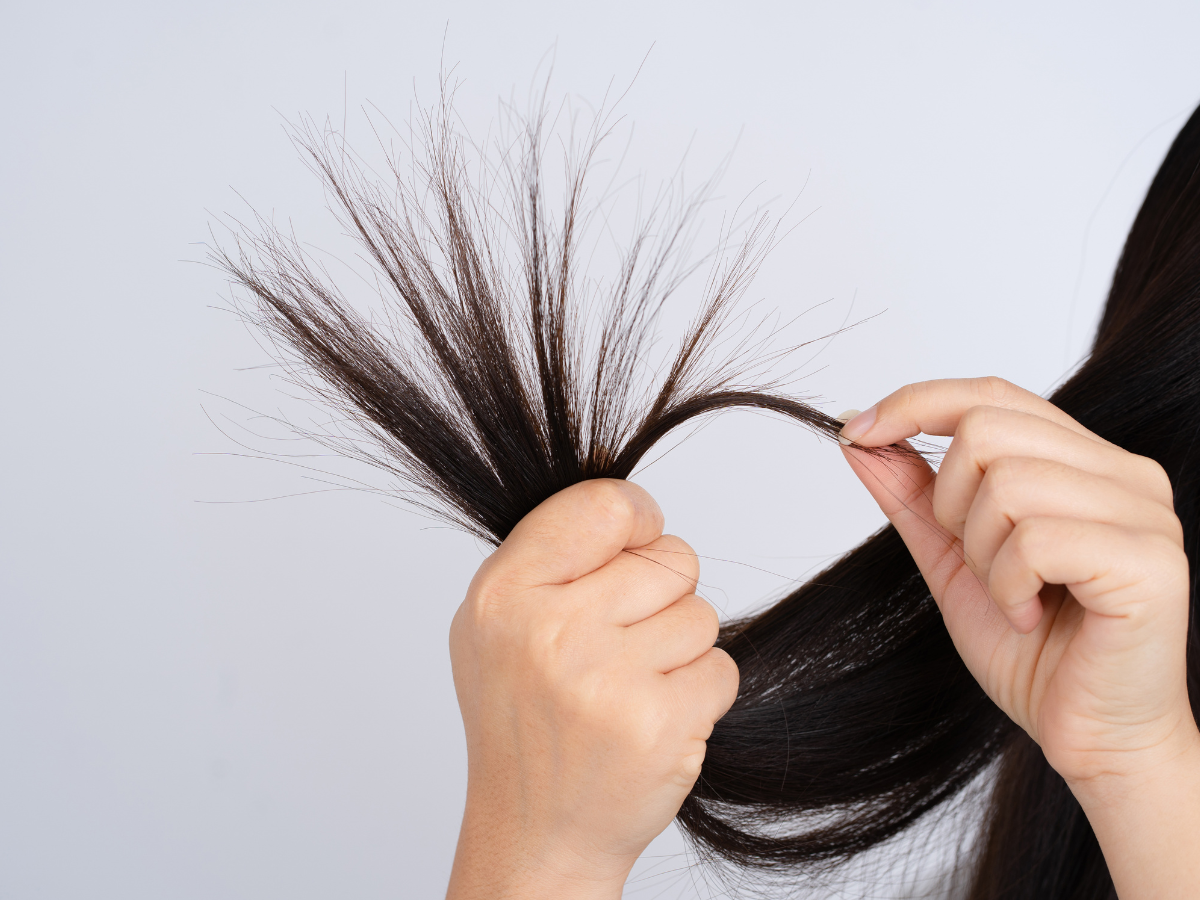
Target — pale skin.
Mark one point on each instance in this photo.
(588, 680)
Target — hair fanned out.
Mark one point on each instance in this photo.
(500, 373)
(491, 386)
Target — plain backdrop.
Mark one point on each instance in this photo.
(252, 699)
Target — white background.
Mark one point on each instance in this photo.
(253, 700)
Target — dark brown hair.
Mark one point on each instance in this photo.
(501, 374)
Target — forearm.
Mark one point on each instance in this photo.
(1149, 826)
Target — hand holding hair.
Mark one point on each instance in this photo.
(588, 683)
(1057, 561)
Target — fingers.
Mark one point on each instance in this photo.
(640, 581)
(678, 635)
(707, 686)
(1034, 497)
(575, 532)
(1111, 570)
(903, 486)
(986, 435)
(935, 407)
(1015, 489)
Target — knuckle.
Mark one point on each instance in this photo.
(1025, 539)
(995, 389)
(491, 594)
(974, 425)
(704, 618)
(563, 648)
(586, 700)
(689, 767)
(604, 497)
(545, 642)
(1173, 529)
(726, 668)
(605, 501)
(1004, 471)
(486, 601)
(1164, 548)
(589, 693)
(644, 726)
(901, 400)
(1165, 522)
(1003, 481)
(1157, 479)
(1164, 565)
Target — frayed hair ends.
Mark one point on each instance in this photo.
(486, 388)
(502, 374)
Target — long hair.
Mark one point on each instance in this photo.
(501, 373)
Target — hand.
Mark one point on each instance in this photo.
(588, 683)
(1057, 561)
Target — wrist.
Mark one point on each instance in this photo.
(1129, 776)
(507, 882)
(1145, 813)
(501, 857)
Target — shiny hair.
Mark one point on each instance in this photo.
(501, 374)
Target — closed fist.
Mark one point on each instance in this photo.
(588, 683)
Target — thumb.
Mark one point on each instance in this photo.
(902, 485)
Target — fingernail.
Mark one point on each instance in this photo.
(844, 418)
(857, 424)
